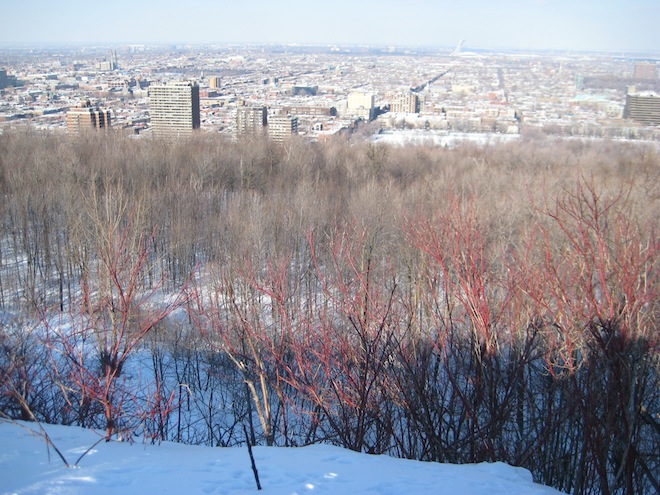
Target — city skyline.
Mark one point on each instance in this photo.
(564, 25)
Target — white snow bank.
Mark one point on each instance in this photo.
(169, 468)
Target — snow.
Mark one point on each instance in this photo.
(417, 137)
(170, 468)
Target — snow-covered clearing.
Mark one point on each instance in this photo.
(170, 468)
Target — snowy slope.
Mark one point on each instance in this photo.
(121, 468)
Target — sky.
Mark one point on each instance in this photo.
(575, 25)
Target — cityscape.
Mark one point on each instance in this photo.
(366, 247)
(390, 94)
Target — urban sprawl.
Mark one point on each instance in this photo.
(317, 92)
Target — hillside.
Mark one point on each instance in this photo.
(125, 469)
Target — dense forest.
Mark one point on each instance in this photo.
(473, 304)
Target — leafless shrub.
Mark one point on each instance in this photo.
(468, 304)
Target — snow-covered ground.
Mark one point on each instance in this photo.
(169, 468)
(421, 137)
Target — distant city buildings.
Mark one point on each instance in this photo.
(255, 121)
(251, 121)
(313, 111)
(328, 91)
(174, 108)
(643, 108)
(7, 80)
(645, 71)
(109, 65)
(85, 117)
(361, 105)
(405, 103)
(304, 90)
(282, 127)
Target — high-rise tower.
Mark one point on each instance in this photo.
(251, 121)
(645, 71)
(86, 117)
(405, 103)
(361, 104)
(282, 128)
(174, 108)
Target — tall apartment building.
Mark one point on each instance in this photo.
(645, 71)
(85, 117)
(251, 121)
(643, 108)
(361, 104)
(174, 108)
(405, 103)
(214, 82)
(282, 127)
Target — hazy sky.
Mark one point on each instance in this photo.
(605, 25)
